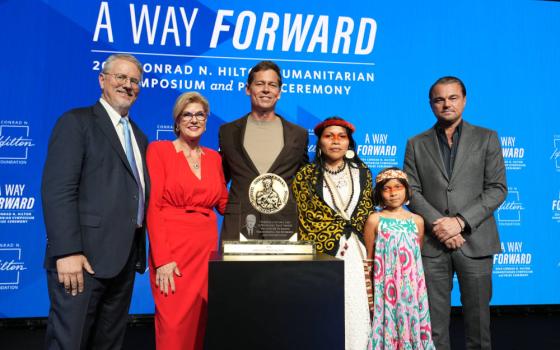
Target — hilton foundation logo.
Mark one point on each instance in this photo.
(312, 145)
(14, 142)
(11, 266)
(509, 213)
(556, 209)
(165, 132)
(555, 156)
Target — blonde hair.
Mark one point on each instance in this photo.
(185, 99)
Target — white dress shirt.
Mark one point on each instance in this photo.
(115, 119)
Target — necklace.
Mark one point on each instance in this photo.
(340, 180)
(351, 189)
(183, 146)
(193, 161)
(338, 170)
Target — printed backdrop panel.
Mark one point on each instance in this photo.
(367, 61)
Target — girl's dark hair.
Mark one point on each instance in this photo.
(378, 190)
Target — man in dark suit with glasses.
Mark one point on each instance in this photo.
(94, 191)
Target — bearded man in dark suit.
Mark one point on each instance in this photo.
(457, 176)
(94, 198)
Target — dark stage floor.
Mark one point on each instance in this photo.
(512, 329)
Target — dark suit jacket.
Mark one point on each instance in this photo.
(475, 190)
(245, 232)
(90, 195)
(239, 168)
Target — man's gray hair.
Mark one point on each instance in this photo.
(122, 56)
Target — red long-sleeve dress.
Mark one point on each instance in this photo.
(182, 227)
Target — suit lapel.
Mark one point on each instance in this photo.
(104, 122)
(432, 146)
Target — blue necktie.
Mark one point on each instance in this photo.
(130, 156)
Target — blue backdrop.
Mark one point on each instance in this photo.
(371, 62)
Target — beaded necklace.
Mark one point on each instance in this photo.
(337, 171)
(331, 191)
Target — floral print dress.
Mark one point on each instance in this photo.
(401, 318)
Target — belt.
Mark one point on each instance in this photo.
(189, 210)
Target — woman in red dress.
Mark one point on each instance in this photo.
(187, 183)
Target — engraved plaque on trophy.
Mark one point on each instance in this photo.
(274, 216)
(268, 247)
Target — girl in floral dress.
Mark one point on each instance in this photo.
(393, 236)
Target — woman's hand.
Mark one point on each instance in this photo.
(164, 277)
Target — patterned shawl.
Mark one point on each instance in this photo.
(317, 221)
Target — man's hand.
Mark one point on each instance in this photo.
(455, 242)
(445, 228)
(70, 272)
(164, 277)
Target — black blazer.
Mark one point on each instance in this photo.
(89, 193)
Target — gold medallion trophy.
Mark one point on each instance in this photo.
(268, 194)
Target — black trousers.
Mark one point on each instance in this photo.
(95, 319)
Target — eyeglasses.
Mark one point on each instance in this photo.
(200, 116)
(123, 79)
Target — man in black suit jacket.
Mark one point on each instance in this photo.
(261, 142)
(94, 198)
(249, 230)
(457, 176)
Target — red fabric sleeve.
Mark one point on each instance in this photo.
(159, 246)
(221, 205)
